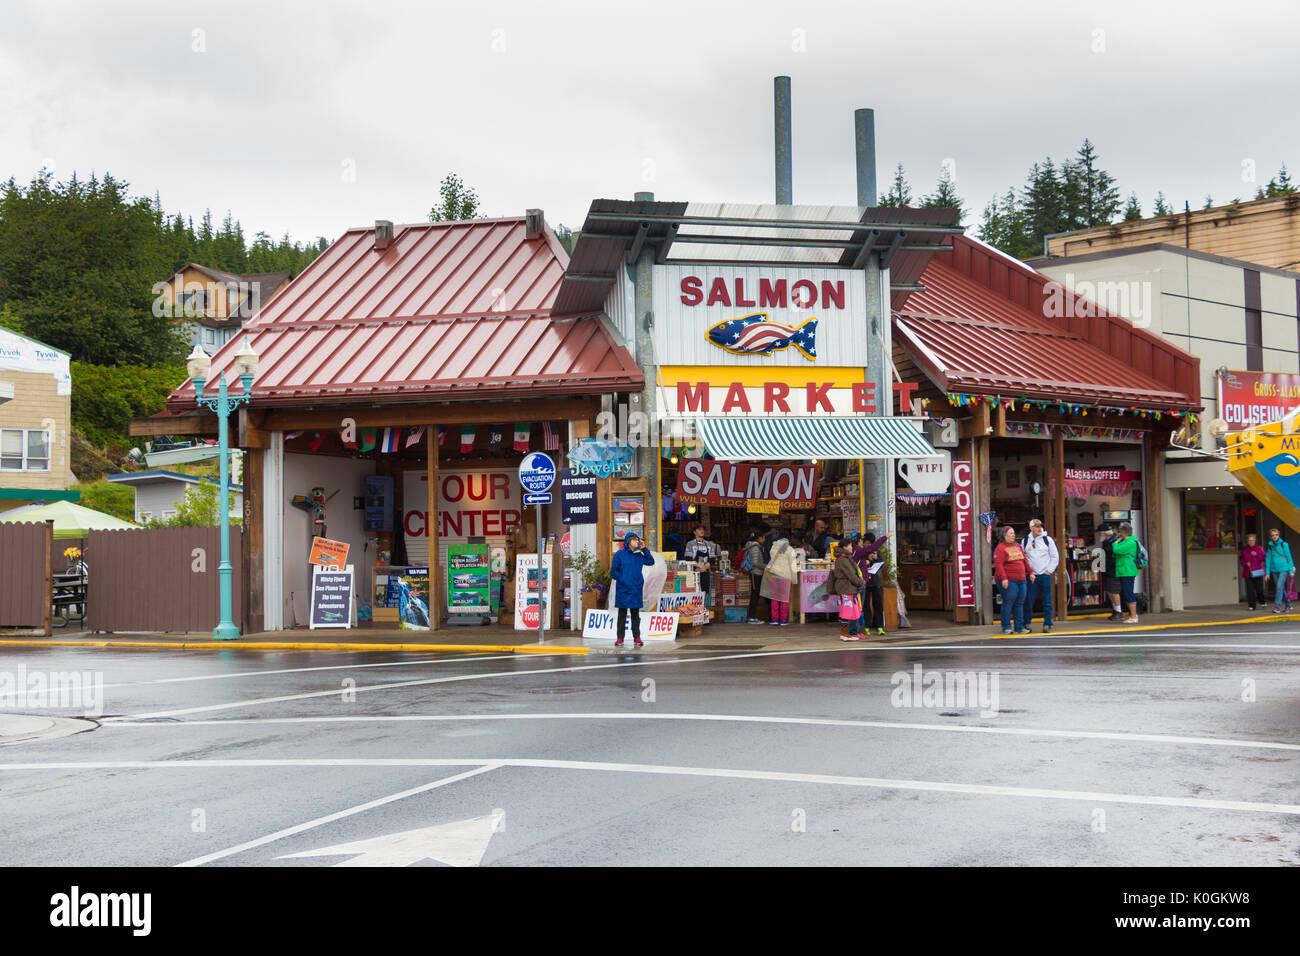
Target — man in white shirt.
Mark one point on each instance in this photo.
(1043, 557)
(704, 554)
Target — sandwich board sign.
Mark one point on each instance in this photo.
(331, 598)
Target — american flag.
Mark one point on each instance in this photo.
(550, 437)
(757, 335)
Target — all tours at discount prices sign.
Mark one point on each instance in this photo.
(1255, 398)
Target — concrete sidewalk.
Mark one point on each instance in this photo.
(739, 638)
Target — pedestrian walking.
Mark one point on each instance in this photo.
(755, 563)
(1252, 571)
(1011, 569)
(865, 550)
(1280, 566)
(846, 583)
(1129, 560)
(627, 572)
(703, 553)
(1109, 583)
(782, 569)
(1044, 558)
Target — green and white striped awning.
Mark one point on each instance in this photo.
(737, 438)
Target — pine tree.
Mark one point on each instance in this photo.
(1209, 201)
(1044, 203)
(899, 193)
(945, 196)
(1162, 207)
(1133, 210)
(1003, 227)
(1090, 195)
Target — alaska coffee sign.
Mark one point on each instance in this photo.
(747, 315)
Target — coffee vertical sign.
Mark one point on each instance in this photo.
(963, 534)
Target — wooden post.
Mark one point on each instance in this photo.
(1060, 600)
(253, 565)
(983, 553)
(435, 548)
(604, 521)
(49, 580)
(1153, 480)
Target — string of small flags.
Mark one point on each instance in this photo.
(390, 440)
(963, 400)
(1045, 430)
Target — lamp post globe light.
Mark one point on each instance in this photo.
(198, 364)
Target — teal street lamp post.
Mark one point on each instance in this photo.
(245, 366)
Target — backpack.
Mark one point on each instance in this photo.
(747, 565)
(1141, 558)
(1108, 550)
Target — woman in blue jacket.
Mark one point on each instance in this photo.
(626, 571)
(1280, 565)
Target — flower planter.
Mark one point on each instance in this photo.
(891, 607)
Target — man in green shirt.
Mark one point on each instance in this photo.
(1126, 569)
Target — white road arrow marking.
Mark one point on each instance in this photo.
(461, 843)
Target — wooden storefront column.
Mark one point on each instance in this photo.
(983, 551)
(604, 521)
(253, 567)
(255, 441)
(1153, 479)
(435, 547)
(1061, 586)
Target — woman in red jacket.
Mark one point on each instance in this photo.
(1252, 571)
(1011, 568)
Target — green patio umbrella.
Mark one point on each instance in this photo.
(70, 520)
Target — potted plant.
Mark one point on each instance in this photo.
(595, 580)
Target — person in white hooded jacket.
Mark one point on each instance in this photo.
(1044, 558)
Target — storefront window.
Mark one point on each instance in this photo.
(1211, 527)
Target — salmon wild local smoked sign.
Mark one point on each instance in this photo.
(730, 485)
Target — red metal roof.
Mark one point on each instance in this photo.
(987, 324)
(448, 310)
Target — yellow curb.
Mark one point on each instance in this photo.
(299, 646)
(1154, 627)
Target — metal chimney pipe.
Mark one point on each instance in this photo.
(784, 175)
(864, 133)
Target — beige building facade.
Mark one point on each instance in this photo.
(35, 422)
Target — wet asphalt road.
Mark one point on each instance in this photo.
(1146, 749)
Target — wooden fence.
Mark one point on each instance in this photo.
(25, 560)
(159, 579)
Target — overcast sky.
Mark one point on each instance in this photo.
(311, 117)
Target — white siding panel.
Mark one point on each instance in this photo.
(1277, 295)
(1213, 320)
(1173, 318)
(1279, 331)
(1216, 282)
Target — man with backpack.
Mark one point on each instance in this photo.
(1130, 558)
(1044, 558)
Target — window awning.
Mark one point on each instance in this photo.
(779, 439)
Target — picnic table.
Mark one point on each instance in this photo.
(69, 597)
